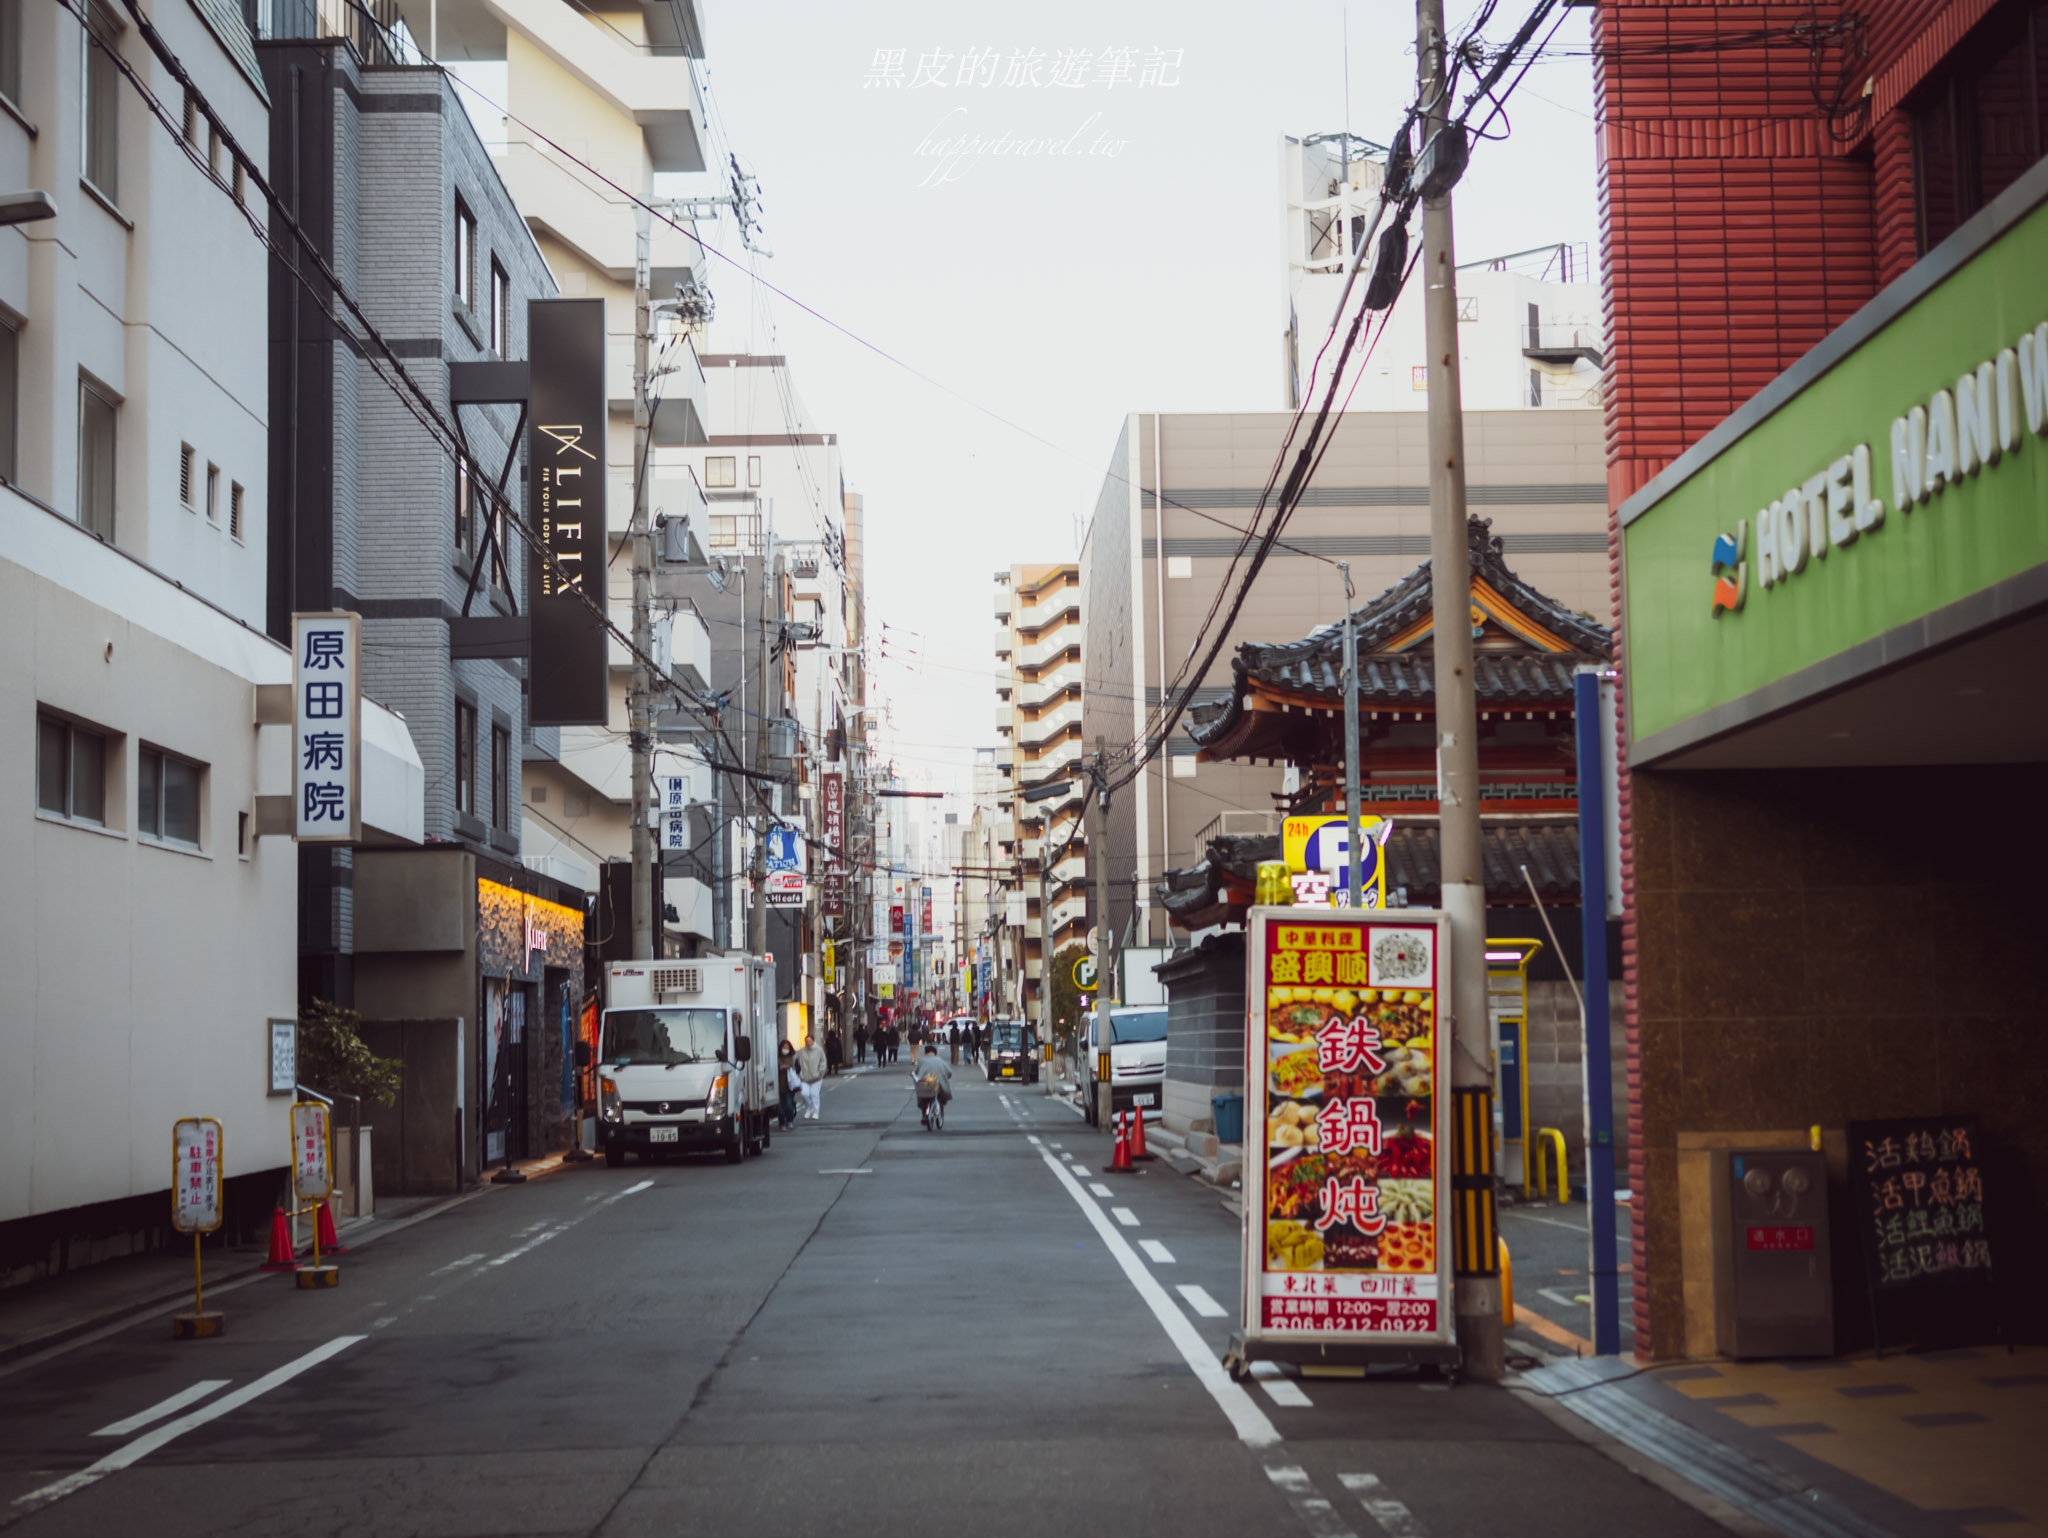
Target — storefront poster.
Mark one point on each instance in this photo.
(1344, 1129)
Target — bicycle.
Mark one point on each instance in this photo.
(934, 1110)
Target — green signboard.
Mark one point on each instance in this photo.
(1899, 468)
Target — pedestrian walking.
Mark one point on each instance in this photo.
(835, 1050)
(787, 1085)
(953, 1041)
(810, 1068)
(860, 1043)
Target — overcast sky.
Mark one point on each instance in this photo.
(1127, 257)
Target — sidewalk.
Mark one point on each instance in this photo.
(1918, 1445)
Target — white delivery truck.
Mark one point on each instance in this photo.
(686, 1058)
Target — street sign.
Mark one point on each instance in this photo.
(1347, 1137)
(327, 728)
(1085, 973)
(284, 1056)
(567, 674)
(785, 849)
(1322, 844)
(196, 1162)
(675, 812)
(312, 1151)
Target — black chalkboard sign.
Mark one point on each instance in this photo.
(1917, 1184)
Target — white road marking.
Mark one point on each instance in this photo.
(135, 1451)
(846, 1172)
(1317, 1514)
(378, 1324)
(1034, 1142)
(457, 1265)
(1159, 1254)
(1125, 1216)
(1080, 1170)
(1245, 1417)
(1285, 1391)
(1057, 1145)
(1530, 1217)
(1395, 1519)
(158, 1411)
(1561, 1298)
(1200, 1301)
(562, 1228)
(1099, 1189)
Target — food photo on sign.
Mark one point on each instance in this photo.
(1344, 1079)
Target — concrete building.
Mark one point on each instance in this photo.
(150, 930)
(370, 513)
(1038, 717)
(1151, 566)
(1529, 323)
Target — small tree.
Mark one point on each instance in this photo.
(1068, 1002)
(334, 1059)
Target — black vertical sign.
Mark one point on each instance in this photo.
(566, 465)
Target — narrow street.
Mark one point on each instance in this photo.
(873, 1328)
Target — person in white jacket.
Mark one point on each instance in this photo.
(810, 1067)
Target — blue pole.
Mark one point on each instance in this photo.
(1603, 1262)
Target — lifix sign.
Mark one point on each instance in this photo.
(566, 505)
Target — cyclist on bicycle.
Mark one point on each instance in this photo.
(934, 1075)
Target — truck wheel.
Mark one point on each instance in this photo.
(735, 1148)
(614, 1156)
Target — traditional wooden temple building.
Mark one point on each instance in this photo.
(1286, 706)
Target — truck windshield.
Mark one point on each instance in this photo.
(663, 1036)
(1139, 1025)
(1006, 1036)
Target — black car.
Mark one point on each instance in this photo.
(1012, 1051)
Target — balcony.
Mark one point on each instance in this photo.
(1050, 725)
(1035, 654)
(1054, 680)
(1002, 642)
(1039, 766)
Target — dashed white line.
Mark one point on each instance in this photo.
(1099, 1189)
(1317, 1514)
(562, 1228)
(159, 1410)
(1246, 1418)
(1079, 1171)
(133, 1452)
(1395, 1519)
(1200, 1301)
(1125, 1216)
(1158, 1253)
(378, 1324)
(1286, 1392)
(1034, 1142)
(457, 1265)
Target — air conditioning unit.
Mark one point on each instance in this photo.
(676, 980)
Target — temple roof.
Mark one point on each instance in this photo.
(1529, 646)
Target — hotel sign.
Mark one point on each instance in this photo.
(566, 502)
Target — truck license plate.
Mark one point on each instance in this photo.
(1144, 1100)
(661, 1134)
(1009, 1073)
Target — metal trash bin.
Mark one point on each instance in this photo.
(1228, 1111)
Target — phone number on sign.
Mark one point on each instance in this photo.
(1395, 1316)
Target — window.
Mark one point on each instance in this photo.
(213, 150)
(465, 254)
(71, 771)
(213, 493)
(501, 311)
(187, 468)
(501, 777)
(235, 510)
(1982, 122)
(242, 833)
(10, 49)
(102, 105)
(465, 507)
(241, 183)
(167, 798)
(10, 391)
(718, 470)
(1535, 388)
(465, 757)
(96, 418)
(753, 469)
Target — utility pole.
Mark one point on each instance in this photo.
(1353, 886)
(757, 918)
(639, 697)
(1098, 861)
(1477, 1269)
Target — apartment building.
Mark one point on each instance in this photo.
(151, 933)
(1038, 720)
(1178, 494)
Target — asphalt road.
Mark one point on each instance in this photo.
(947, 1342)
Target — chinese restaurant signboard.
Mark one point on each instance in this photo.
(1919, 1200)
(1344, 1130)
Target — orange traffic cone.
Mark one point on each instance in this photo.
(282, 1256)
(1121, 1159)
(330, 1243)
(1138, 1133)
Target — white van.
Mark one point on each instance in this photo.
(1137, 1059)
(685, 1058)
